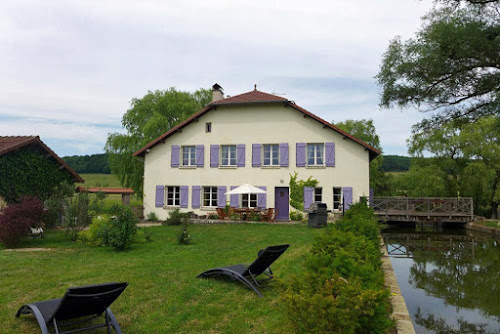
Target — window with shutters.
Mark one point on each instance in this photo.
(228, 155)
(173, 195)
(315, 154)
(337, 198)
(188, 156)
(318, 192)
(271, 155)
(249, 200)
(210, 196)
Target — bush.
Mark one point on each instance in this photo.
(343, 288)
(77, 215)
(255, 217)
(175, 217)
(184, 237)
(215, 216)
(121, 229)
(296, 216)
(57, 203)
(152, 217)
(16, 219)
(97, 230)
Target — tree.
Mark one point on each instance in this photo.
(451, 68)
(148, 118)
(365, 130)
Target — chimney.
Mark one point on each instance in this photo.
(217, 93)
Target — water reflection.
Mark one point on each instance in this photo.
(450, 280)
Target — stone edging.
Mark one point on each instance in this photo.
(481, 228)
(400, 313)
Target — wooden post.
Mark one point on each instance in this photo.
(126, 199)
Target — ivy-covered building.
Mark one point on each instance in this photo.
(29, 167)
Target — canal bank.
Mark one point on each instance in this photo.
(449, 279)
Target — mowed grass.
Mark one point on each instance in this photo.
(164, 295)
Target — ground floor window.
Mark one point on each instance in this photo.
(318, 194)
(210, 196)
(249, 200)
(173, 195)
(337, 198)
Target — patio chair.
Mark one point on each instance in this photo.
(248, 274)
(270, 215)
(221, 213)
(84, 302)
(36, 232)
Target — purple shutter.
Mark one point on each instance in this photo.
(221, 196)
(240, 155)
(284, 154)
(372, 193)
(261, 199)
(184, 196)
(200, 155)
(301, 154)
(308, 197)
(256, 148)
(195, 203)
(160, 196)
(347, 197)
(330, 154)
(235, 199)
(214, 155)
(175, 156)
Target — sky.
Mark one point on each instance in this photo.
(68, 69)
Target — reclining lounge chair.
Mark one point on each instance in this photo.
(86, 301)
(248, 274)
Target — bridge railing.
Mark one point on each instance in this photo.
(430, 206)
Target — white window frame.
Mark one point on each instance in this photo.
(191, 155)
(273, 153)
(339, 207)
(231, 155)
(318, 150)
(250, 198)
(175, 199)
(316, 194)
(213, 197)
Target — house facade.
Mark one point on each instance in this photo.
(254, 138)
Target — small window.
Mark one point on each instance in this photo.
(210, 196)
(315, 154)
(249, 200)
(173, 196)
(337, 198)
(271, 155)
(228, 155)
(318, 194)
(208, 127)
(188, 156)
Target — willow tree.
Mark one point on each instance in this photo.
(148, 118)
(451, 68)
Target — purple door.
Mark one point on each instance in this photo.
(281, 201)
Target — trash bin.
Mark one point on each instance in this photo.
(318, 215)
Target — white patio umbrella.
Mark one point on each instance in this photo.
(245, 189)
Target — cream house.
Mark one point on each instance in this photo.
(254, 138)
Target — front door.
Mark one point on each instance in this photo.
(281, 202)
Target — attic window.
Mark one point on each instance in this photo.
(208, 127)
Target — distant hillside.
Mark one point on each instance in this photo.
(89, 164)
(396, 163)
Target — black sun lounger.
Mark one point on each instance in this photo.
(248, 274)
(84, 302)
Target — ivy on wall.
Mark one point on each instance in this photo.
(28, 172)
(297, 190)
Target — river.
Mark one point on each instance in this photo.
(449, 279)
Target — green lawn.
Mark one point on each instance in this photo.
(99, 180)
(164, 295)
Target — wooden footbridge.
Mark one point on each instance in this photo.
(423, 209)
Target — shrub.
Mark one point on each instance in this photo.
(343, 288)
(3, 203)
(152, 217)
(255, 217)
(16, 219)
(57, 203)
(121, 229)
(97, 205)
(175, 217)
(296, 216)
(214, 216)
(97, 230)
(148, 234)
(77, 215)
(184, 237)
